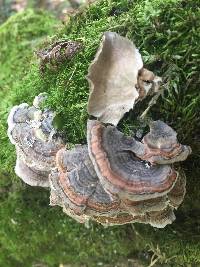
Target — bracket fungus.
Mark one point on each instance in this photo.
(32, 133)
(161, 145)
(113, 179)
(31, 175)
(120, 171)
(117, 79)
(79, 185)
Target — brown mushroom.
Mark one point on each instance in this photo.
(158, 219)
(57, 53)
(176, 195)
(119, 171)
(144, 206)
(148, 83)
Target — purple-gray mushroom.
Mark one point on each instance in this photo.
(31, 175)
(148, 193)
(161, 145)
(76, 181)
(75, 187)
(32, 133)
(114, 179)
(120, 171)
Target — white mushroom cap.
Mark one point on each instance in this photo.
(112, 78)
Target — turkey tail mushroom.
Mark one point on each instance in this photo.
(161, 145)
(19, 114)
(58, 197)
(79, 185)
(120, 172)
(33, 135)
(114, 179)
(76, 187)
(30, 175)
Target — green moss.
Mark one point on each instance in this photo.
(19, 36)
(167, 33)
(157, 28)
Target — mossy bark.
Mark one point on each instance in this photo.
(168, 35)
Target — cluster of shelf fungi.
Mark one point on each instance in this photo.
(114, 178)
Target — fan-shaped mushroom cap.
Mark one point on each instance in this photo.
(19, 114)
(31, 130)
(80, 186)
(58, 197)
(35, 152)
(32, 133)
(76, 188)
(30, 175)
(161, 145)
(119, 171)
(112, 77)
(24, 114)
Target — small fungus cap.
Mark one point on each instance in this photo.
(148, 82)
(162, 146)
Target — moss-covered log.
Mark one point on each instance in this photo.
(168, 35)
